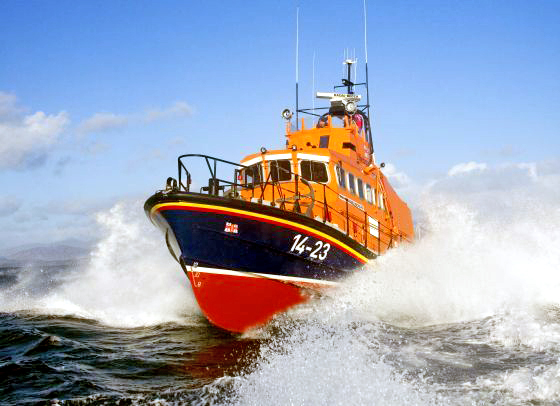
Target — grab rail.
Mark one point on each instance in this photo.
(286, 195)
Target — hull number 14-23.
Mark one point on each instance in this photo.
(319, 250)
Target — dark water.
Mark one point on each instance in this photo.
(49, 359)
(458, 318)
(81, 361)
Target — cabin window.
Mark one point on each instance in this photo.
(280, 170)
(369, 194)
(341, 176)
(349, 145)
(360, 188)
(351, 183)
(254, 174)
(314, 171)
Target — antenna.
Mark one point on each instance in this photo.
(355, 66)
(367, 81)
(313, 83)
(297, 68)
(365, 29)
(345, 57)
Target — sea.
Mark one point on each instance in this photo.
(469, 314)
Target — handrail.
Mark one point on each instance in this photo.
(285, 194)
(180, 166)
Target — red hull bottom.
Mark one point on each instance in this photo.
(238, 302)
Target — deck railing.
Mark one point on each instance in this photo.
(290, 195)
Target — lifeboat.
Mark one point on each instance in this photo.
(281, 226)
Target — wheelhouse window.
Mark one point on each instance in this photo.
(360, 188)
(352, 183)
(314, 171)
(280, 170)
(369, 194)
(254, 174)
(340, 176)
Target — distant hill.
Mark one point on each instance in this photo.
(54, 252)
(71, 242)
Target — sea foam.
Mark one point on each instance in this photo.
(484, 272)
(130, 279)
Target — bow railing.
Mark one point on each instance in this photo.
(296, 194)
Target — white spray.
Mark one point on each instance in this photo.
(493, 254)
(131, 280)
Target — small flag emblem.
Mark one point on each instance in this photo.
(231, 228)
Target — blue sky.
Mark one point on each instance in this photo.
(98, 98)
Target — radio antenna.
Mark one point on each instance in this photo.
(355, 67)
(313, 83)
(367, 80)
(365, 29)
(297, 68)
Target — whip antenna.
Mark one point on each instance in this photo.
(313, 83)
(367, 79)
(365, 30)
(297, 68)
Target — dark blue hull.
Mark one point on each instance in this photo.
(241, 236)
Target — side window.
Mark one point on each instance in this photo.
(381, 201)
(369, 194)
(253, 175)
(280, 170)
(360, 188)
(351, 183)
(373, 226)
(314, 171)
(341, 176)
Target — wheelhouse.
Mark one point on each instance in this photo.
(327, 171)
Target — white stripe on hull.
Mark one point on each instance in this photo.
(294, 279)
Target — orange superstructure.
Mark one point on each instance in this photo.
(350, 191)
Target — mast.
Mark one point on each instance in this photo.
(370, 140)
(350, 99)
(313, 83)
(348, 81)
(297, 68)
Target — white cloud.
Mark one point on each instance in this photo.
(73, 206)
(531, 169)
(9, 205)
(467, 167)
(23, 222)
(24, 140)
(178, 109)
(101, 122)
(105, 121)
(8, 106)
(499, 189)
(398, 179)
(475, 178)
